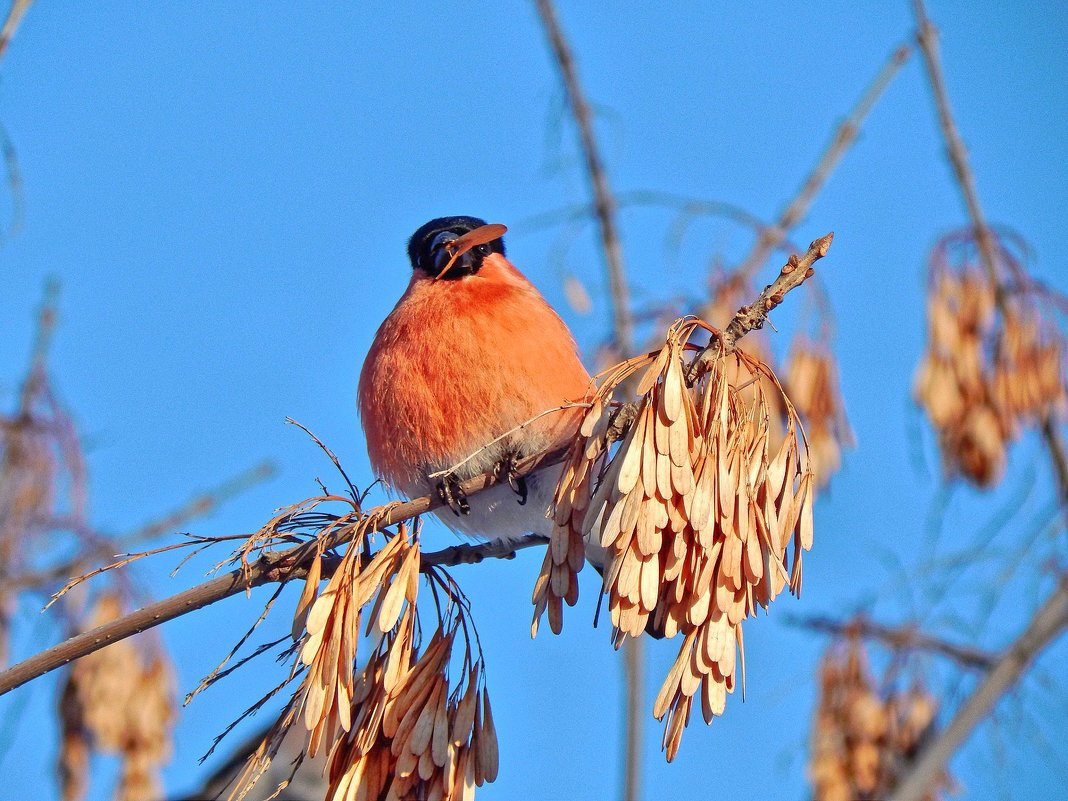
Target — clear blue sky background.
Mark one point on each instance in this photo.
(225, 191)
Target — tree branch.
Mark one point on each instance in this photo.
(752, 317)
(1045, 626)
(604, 201)
(277, 566)
(268, 569)
(927, 38)
(771, 236)
(622, 336)
(907, 638)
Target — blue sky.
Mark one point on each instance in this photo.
(225, 192)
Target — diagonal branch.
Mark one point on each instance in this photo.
(281, 566)
(907, 638)
(11, 23)
(771, 236)
(1049, 621)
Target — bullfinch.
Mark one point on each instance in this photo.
(462, 367)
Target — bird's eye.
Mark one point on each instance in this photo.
(483, 250)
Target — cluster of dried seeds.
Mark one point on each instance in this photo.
(812, 383)
(862, 738)
(696, 514)
(414, 734)
(118, 700)
(397, 728)
(993, 364)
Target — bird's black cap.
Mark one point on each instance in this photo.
(421, 250)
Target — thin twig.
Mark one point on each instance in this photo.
(605, 203)
(622, 339)
(927, 38)
(844, 136)
(108, 547)
(11, 23)
(752, 317)
(683, 205)
(907, 638)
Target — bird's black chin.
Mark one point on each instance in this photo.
(467, 264)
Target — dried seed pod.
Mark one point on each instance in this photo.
(443, 730)
(695, 511)
(812, 383)
(993, 365)
(118, 700)
(862, 736)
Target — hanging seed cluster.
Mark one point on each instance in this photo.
(414, 733)
(812, 383)
(700, 520)
(399, 728)
(862, 738)
(118, 701)
(993, 365)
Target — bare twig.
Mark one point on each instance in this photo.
(107, 547)
(752, 317)
(927, 38)
(622, 338)
(683, 205)
(906, 638)
(605, 203)
(11, 23)
(1048, 622)
(771, 236)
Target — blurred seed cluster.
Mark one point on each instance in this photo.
(994, 362)
(863, 736)
(117, 701)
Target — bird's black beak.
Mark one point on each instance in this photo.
(464, 264)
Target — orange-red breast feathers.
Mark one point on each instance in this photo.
(460, 362)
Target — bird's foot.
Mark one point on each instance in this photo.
(506, 472)
(452, 495)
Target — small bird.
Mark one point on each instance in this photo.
(471, 352)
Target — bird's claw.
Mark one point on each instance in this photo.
(506, 471)
(452, 495)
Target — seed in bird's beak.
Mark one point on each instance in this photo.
(472, 239)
